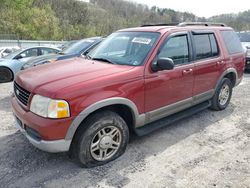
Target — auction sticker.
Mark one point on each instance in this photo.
(141, 40)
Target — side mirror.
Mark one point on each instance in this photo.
(163, 64)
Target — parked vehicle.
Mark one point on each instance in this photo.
(77, 49)
(137, 79)
(7, 50)
(67, 44)
(245, 41)
(12, 63)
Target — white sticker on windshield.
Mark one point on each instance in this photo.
(141, 40)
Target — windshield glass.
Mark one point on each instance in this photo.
(78, 47)
(125, 48)
(244, 37)
(13, 54)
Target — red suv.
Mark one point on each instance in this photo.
(137, 79)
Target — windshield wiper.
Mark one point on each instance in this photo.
(103, 59)
(87, 56)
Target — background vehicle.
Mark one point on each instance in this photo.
(245, 41)
(77, 49)
(67, 44)
(12, 63)
(7, 50)
(137, 79)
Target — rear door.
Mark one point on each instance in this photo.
(208, 64)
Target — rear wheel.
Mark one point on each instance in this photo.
(222, 95)
(102, 138)
(6, 75)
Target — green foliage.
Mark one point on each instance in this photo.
(74, 19)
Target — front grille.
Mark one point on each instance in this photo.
(21, 94)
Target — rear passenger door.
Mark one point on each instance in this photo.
(208, 64)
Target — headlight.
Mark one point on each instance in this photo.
(50, 108)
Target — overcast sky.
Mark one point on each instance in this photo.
(199, 7)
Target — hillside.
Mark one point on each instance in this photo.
(71, 19)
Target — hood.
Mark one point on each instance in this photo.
(36, 60)
(40, 60)
(50, 78)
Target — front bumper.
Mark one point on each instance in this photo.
(48, 146)
(45, 134)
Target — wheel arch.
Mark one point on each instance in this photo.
(122, 106)
(229, 73)
(12, 73)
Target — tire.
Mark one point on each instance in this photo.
(6, 75)
(94, 139)
(222, 95)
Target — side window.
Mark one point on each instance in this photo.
(7, 50)
(205, 46)
(232, 42)
(176, 48)
(30, 53)
(48, 51)
(214, 46)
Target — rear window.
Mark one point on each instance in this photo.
(205, 46)
(232, 42)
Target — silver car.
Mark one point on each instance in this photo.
(12, 63)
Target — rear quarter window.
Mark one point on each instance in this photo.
(232, 42)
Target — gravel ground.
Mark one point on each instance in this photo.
(209, 149)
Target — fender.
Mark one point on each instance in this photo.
(139, 120)
(229, 70)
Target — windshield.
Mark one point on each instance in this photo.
(12, 55)
(78, 47)
(125, 48)
(244, 37)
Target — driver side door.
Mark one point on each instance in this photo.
(170, 91)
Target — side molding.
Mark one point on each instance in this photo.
(138, 119)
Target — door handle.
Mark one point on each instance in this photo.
(188, 71)
(220, 62)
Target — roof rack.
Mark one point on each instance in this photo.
(201, 24)
(183, 24)
(160, 24)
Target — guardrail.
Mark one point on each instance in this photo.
(30, 43)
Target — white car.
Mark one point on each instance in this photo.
(245, 41)
(7, 50)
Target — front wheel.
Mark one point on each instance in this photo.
(222, 95)
(101, 139)
(5, 75)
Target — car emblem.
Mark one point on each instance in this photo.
(17, 92)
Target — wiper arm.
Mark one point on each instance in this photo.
(103, 59)
(87, 56)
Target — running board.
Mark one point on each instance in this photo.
(171, 119)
